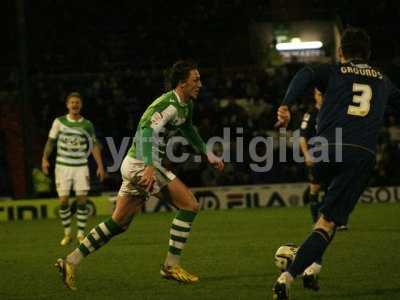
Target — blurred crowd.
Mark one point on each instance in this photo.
(242, 101)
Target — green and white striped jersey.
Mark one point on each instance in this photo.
(74, 140)
(167, 113)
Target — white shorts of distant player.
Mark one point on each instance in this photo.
(132, 171)
(76, 178)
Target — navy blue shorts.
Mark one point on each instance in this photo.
(344, 181)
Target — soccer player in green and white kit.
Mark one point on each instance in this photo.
(143, 175)
(75, 138)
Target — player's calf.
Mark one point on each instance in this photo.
(96, 238)
(82, 214)
(179, 233)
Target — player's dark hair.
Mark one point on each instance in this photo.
(356, 43)
(73, 94)
(179, 72)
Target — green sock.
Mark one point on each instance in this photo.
(65, 216)
(99, 236)
(81, 218)
(179, 233)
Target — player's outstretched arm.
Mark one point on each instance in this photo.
(148, 178)
(215, 161)
(145, 143)
(283, 116)
(193, 137)
(304, 79)
(48, 149)
(300, 83)
(99, 161)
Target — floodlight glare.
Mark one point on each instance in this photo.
(299, 46)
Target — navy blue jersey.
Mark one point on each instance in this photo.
(355, 96)
(308, 127)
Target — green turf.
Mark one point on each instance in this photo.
(231, 251)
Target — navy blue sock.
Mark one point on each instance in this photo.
(318, 260)
(314, 206)
(311, 251)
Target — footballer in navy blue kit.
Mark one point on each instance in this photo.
(355, 97)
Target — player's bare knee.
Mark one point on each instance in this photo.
(81, 199)
(63, 200)
(189, 202)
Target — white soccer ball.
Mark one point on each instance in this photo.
(284, 256)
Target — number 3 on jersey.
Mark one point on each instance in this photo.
(363, 98)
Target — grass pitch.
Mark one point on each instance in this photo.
(231, 251)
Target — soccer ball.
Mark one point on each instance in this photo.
(284, 256)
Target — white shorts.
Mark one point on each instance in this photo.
(76, 178)
(132, 171)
